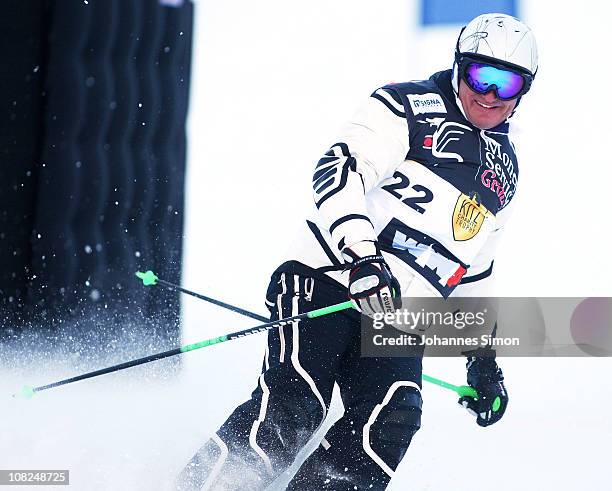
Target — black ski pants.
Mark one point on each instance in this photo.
(261, 438)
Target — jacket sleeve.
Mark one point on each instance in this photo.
(374, 141)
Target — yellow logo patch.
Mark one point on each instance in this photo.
(468, 217)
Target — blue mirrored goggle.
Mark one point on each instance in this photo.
(507, 84)
(482, 77)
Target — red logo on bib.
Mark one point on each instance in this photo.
(456, 278)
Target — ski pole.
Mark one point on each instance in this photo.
(461, 390)
(149, 278)
(28, 391)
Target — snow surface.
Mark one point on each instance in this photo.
(271, 82)
(135, 430)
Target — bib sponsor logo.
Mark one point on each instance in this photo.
(489, 180)
(426, 103)
(500, 173)
(447, 133)
(448, 273)
(446, 136)
(468, 217)
(424, 254)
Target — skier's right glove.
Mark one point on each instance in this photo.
(487, 378)
(371, 284)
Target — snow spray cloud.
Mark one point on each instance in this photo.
(111, 433)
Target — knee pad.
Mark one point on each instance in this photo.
(394, 426)
(400, 419)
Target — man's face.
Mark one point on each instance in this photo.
(484, 111)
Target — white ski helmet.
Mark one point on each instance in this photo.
(497, 38)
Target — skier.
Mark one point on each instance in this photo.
(411, 200)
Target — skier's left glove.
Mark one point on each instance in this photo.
(371, 284)
(486, 377)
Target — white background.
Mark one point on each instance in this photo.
(272, 82)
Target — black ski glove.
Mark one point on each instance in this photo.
(371, 284)
(486, 377)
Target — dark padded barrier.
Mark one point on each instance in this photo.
(22, 34)
(121, 245)
(110, 189)
(166, 224)
(55, 257)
